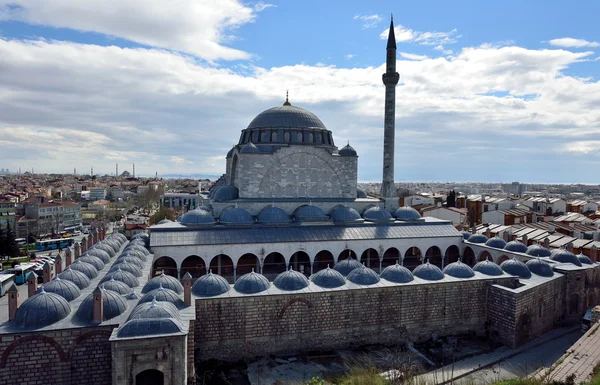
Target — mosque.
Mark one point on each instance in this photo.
(286, 255)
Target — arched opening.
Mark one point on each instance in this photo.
(193, 265)
(390, 257)
(300, 261)
(323, 259)
(264, 136)
(502, 259)
(452, 254)
(469, 257)
(274, 137)
(485, 255)
(273, 264)
(150, 377)
(412, 258)
(166, 264)
(222, 265)
(434, 256)
(370, 258)
(234, 164)
(246, 263)
(345, 254)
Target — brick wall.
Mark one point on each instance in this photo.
(191, 363)
(72, 356)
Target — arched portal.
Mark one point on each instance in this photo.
(345, 254)
(222, 265)
(452, 254)
(469, 257)
(246, 263)
(434, 256)
(370, 258)
(323, 259)
(273, 264)
(390, 257)
(193, 265)
(300, 261)
(485, 255)
(502, 259)
(166, 264)
(412, 258)
(150, 377)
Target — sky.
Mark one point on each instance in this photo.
(489, 91)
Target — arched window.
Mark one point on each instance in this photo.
(264, 137)
(255, 137)
(319, 138)
(299, 137)
(286, 137)
(310, 138)
(274, 137)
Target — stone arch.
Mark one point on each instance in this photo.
(468, 256)
(300, 261)
(452, 254)
(501, 259)
(95, 335)
(295, 317)
(234, 165)
(370, 257)
(485, 255)
(193, 265)
(150, 377)
(91, 344)
(222, 264)
(290, 303)
(166, 264)
(323, 259)
(42, 338)
(273, 264)
(434, 256)
(246, 263)
(345, 254)
(390, 257)
(412, 258)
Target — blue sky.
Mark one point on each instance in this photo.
(490, 91)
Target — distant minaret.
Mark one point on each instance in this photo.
(134, 170)
(117, 170)
(92, 171)
(156, 176)
(74, 171)
(390, 79)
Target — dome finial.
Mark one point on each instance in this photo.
(287, 100)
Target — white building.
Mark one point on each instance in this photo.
(546, 205)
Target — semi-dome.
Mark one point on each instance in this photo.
(98, 253)
(123, 276)
(539, 267)
(77, 277)
(488, 267)
(210, 285)
(129, 267)
(252, 283)
(272, 215)
(162, 294)
(291, 280)
(164, 221)
(459, 270)
(538, 250)
(496, 242)
(89, 270)
(155, 309)
(65, 288)
(397, 274)
(163, 280)
(345, 214)
(363, 276)
(249, 148)
(112, 305)
(236, 216)
(197, 217)
(466, 235)
(129, 259)
(230, 152)
(309, 213)
(565, 256)
(478, 238)
(516, 247)
(347, 265)
(348, 150)
(428, 272)
(41, 309)
(584, 259)
(515, 267)
(116, 286)
(407, 214)
(94, 261)
(328, 278)
(377, 214)
(226, 193)
(143, 327)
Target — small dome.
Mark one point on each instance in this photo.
(131, 295)
(226, 193)
(584, 259)
(165, 281)
(478, 238)
(328, 278)
(565, 256)
(116, 286)
(377, 214)
(230, 152)
(516, 247)
(407, 214)
(516, 267)
(348, 151)
(94, 261)
(77, 277)
(162, 294)
(155, 309)
(249, 148)
(163, 221)
(539, 267)
(210, 285)
(496, 242)
(134, 253)
(126, 266)
(112, 305)
(98, 253)
(346, 266)
(291, 280)
(236, 216)
(538, 250)
(113, 244)
(428, 272)
(122, 237)
(142, 327)
(137, 246)
(123, 276)
(129, 259)
(271, 215)
(363, 276)
(65, 288)
(251, 283)
(361, 194)
(459, 270)
(397, 274)
(488, 267)
(105, 247)
(309, 213)
(41, 309)
(466, 235)
(89, 270)
(345, 214)
(197, 217)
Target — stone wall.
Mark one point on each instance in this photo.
(245, 327)
(71, 356)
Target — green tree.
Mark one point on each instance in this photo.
(163, 213)
(451, 200)
(8, 243)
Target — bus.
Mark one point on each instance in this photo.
(21, 241)
(21, 272)
(54, 244)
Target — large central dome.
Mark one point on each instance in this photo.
(286, 117)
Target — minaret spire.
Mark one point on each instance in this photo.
(390, 80)
(287, 100)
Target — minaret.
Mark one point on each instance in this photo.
(134, 170)
(390, 79)
(116, 170)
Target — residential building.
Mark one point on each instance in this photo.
(457, 216)
(97, 194)
(174, 200)
(54, 217)
(507, 216)
(7, 215)
(546, 205)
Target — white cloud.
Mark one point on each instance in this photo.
(369, 21)
(583, 147)
(349, 56)
(179, 160)
(412, 56)
(194, 27)
(569, 42)
(443, 50)
(407, 35)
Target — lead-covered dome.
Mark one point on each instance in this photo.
(565, 256)
(252, 283)
(163, 280)
(459, 270)
(397, 274)
(127, 266)
(65, 288)
(466, 235)
(584, 259)
(121, 275)
(496, 242)
(516, 267)
(347, 150)
(328, 278)
(112, 305)
(538, 250)
(428, 272)
(407, 214)
(155, 309)
(477, 238)
(98, 253)
(89, 270)
(286, 116)
(77, 277)
(41, 309)
(377, 214)
(162, 294)
(236, 216)
(488, 267)
(291, 280)
(516, 247)
(210, 285)
(539, 267)
(309, 213)
(116, 286)
(129, 259)
(143, 327)
(94, 261)
(227, 192)
(363, 276)
(345, 214)
(272, 215)
(197, 217)
(346, 266)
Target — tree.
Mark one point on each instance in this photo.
(161, 214)
(451, 200)
(8, 243)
